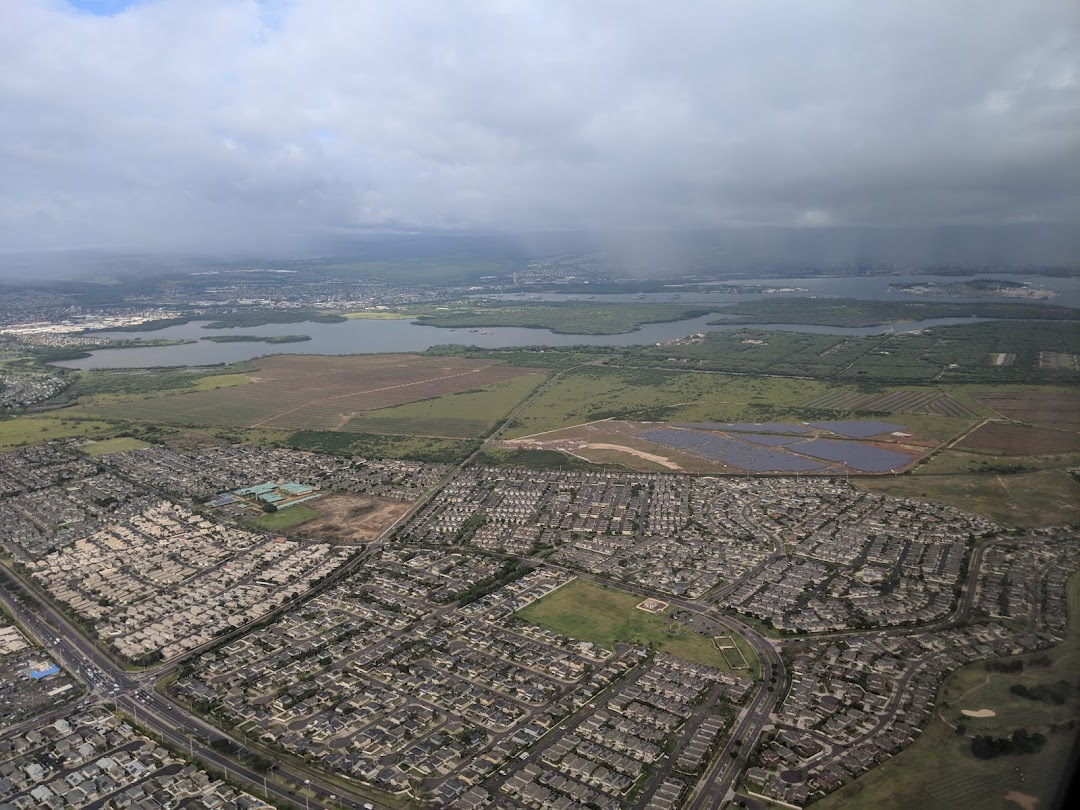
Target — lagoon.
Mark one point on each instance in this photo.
(376, 336)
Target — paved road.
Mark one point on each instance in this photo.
(105, 681)
(715, 787)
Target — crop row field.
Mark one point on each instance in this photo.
(295, 392)
(918, 400)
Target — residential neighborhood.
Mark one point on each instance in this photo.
(413, 666)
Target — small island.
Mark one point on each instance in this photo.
(257, 338)
(976, 288)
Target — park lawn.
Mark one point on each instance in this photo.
(1043, 498)
(23, 430)
(605, 616)
(460, 415)
(939, 770)
(285, 518)
(117, 445)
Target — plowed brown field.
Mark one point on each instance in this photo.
(1058, 410)
(1020, 440)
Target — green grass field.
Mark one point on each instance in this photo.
(653, 395)
(959, 462)
(285, 518)
(605, 616)
(22, 430)
(459, 416)
(117, 445)
(939, 771)
(1045, 498)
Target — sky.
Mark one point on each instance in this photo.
(270, 124)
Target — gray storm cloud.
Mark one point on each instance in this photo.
(243, 124)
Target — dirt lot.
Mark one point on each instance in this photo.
(1020, 440)
(614, 442)
(1056, 410)
(352, 518)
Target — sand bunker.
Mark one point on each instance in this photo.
(978, 713)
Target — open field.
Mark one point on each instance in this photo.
(564, 317)
(117, 445)
(606, 616)
(111, 385)
(463, 415)
(939, 771)
(296, 392)
(1044, 498)
(954, 462)
(22, 430)
(284, 518)
(1020, 439)
(1051, 408)
(594, 393)
(343, 517)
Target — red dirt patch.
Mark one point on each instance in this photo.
(352, 518)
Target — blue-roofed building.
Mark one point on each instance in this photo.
(39, 671)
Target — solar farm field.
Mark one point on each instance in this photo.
(297, 392)
(821, 448)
